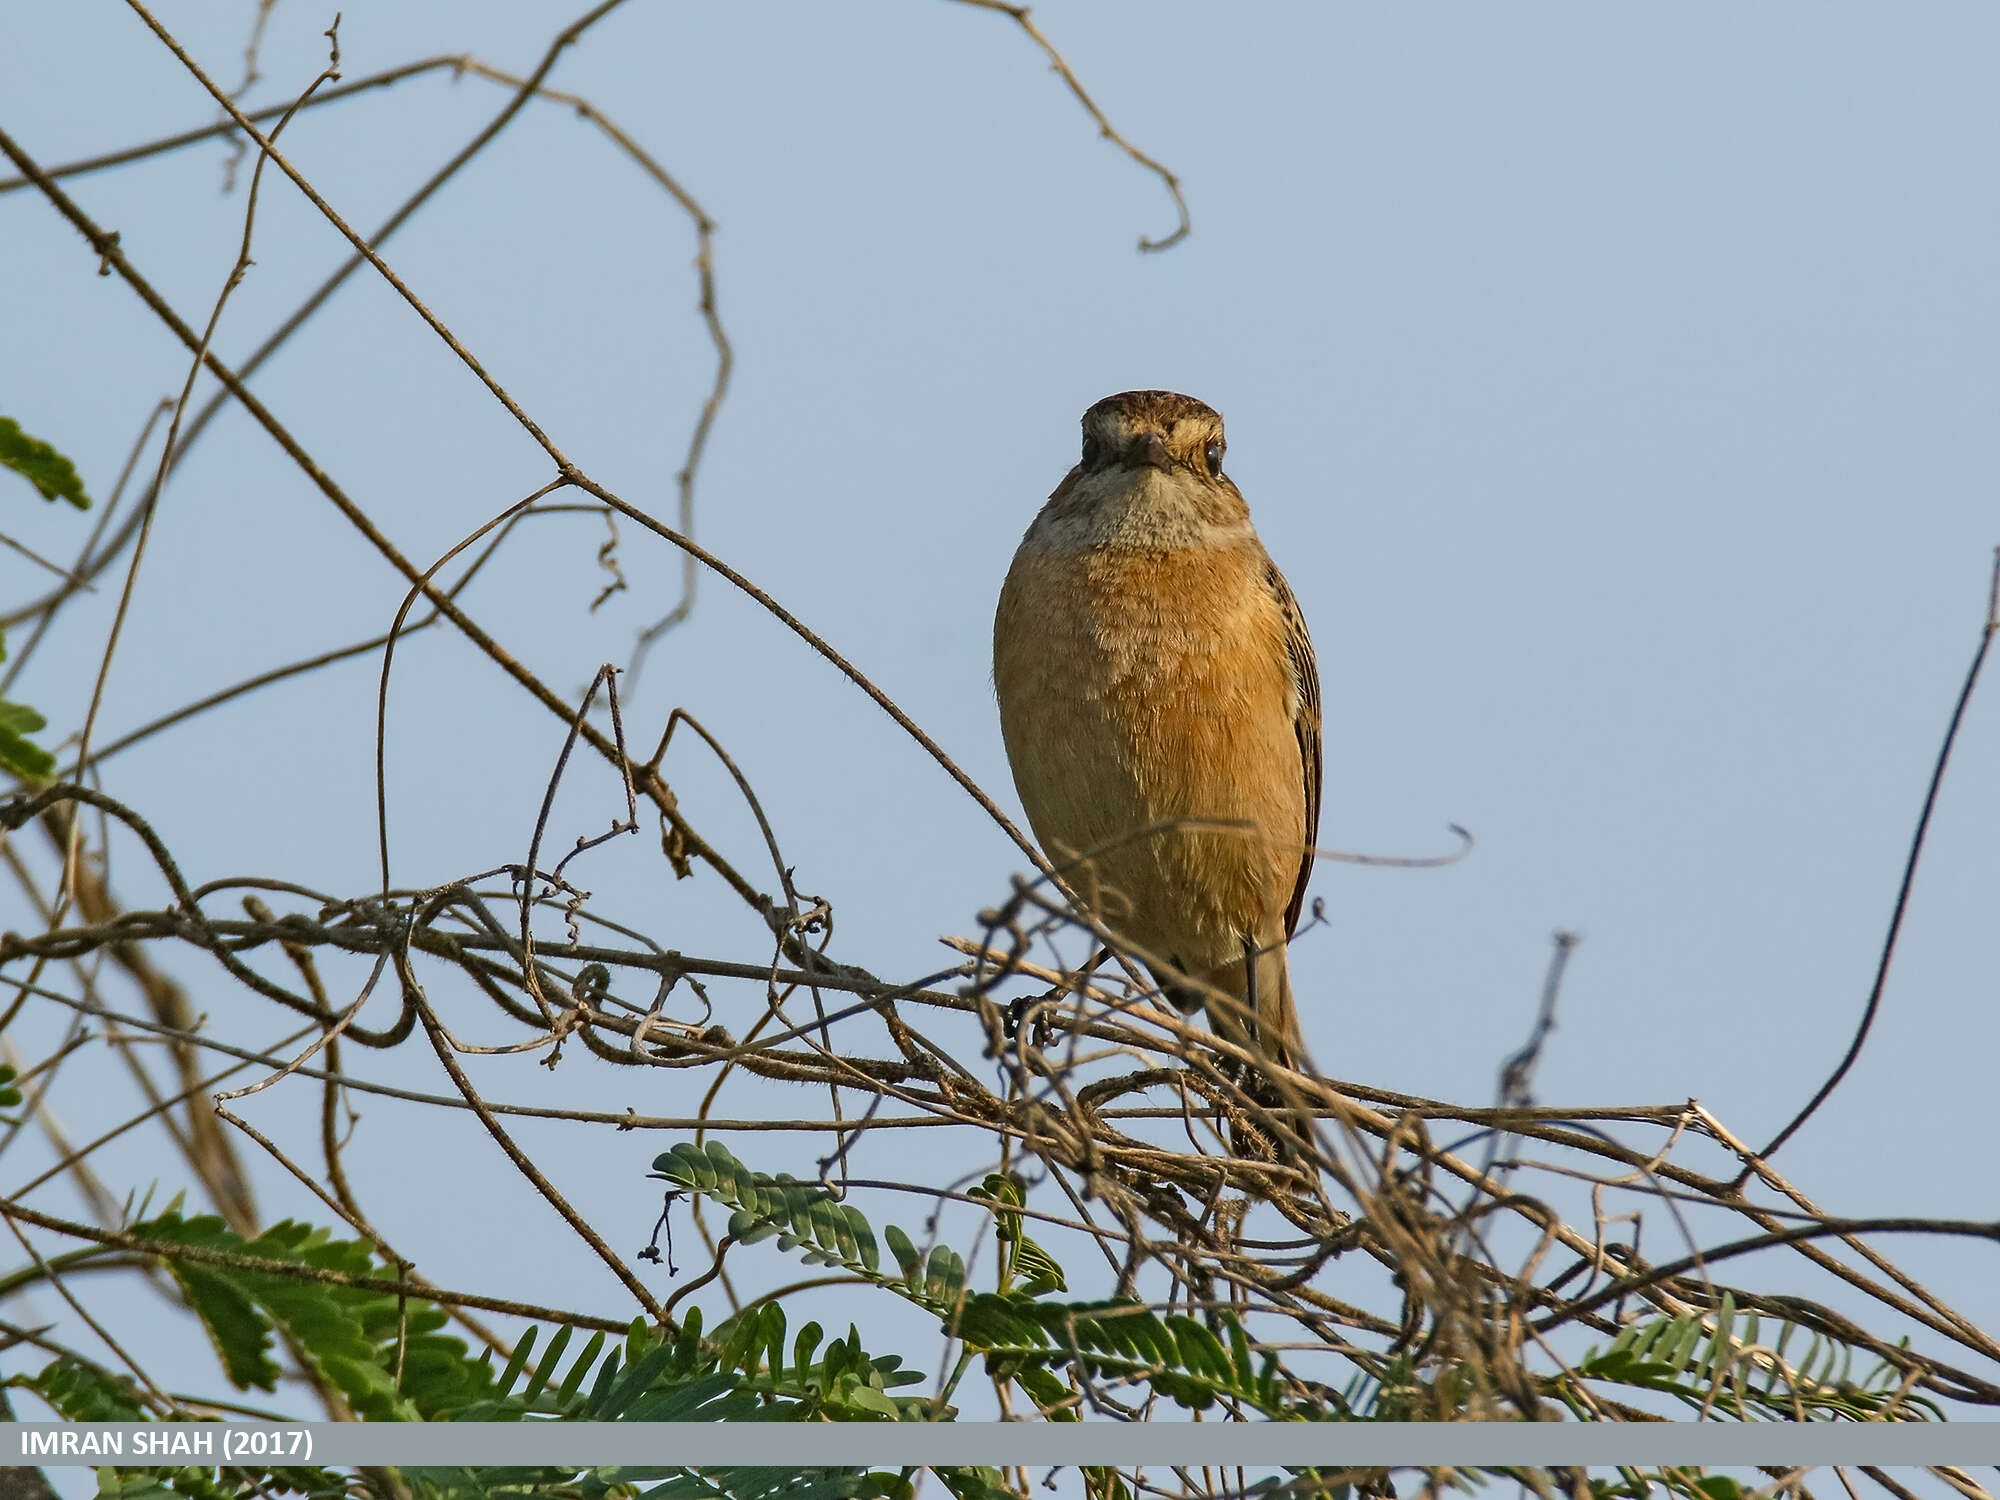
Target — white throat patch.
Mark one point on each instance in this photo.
(1155, 509)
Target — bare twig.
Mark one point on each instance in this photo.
(1868, 1011)
(1021, 18)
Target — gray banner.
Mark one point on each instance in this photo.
(888, 1445)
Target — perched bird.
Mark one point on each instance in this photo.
(1160, 705)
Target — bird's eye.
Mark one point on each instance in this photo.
(1214, 457)
(1092, 450)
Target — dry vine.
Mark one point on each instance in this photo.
(1364, 1234)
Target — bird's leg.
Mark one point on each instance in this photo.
(1250, 1016)
(1256, 1080)
(1238, 1022)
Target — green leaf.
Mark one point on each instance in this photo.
(355, 1338)
(1039, 1271)
(803, 1347)
(1047, 1391)
(550, 1363)
(1723, 1343)
(748, 1227)
(907, 1259)
(1024, 1338)
(112, 1485)
(871, 1400)
(607, 1376)
(703, 1400)
(1003, 1191)
(241, 1334)
(18, 754)
(48, 471)
(824, 1217)
(765, 1484)
(1688, 1336)
(944, 1276)
(866, 1255)
(517, 1361)
(1713, 1372)
(974, 1483)
(637, 1379)
(85, 1393)
(771, 1329)
(577, 1371)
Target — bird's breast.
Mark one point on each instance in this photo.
(1139, 687)
(1194, 632)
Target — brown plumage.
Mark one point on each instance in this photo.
(1155, 681)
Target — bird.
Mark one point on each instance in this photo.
(1160, 706)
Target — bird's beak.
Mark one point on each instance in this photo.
(1152, 451)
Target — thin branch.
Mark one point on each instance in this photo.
(300, 1271)
(1021, 18)
(1986, 632)
(228, 127)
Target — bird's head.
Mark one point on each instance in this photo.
(1150, 476)
(1153, 429)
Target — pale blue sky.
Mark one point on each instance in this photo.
(1615, 385)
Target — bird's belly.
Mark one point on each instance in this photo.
(1148, 710)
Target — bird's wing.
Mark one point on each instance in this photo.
(1305, 724)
